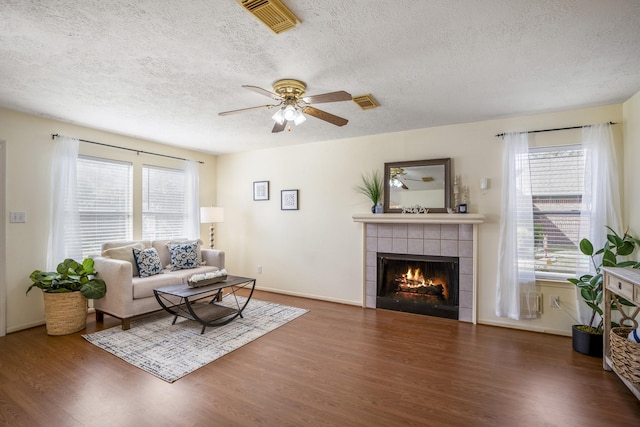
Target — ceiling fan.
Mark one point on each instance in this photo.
(398, 178)
(293, 104)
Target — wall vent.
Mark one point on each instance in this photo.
(537, 301)
(272, 13)
(366, 102)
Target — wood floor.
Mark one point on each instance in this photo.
(337, 365)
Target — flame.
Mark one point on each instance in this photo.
(414, 278)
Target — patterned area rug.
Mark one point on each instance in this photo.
(173, 351)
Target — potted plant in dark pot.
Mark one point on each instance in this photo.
(372, 187)
(65, 293)
(587, 339)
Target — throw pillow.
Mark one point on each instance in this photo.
(124, 253)
(148, 261)
(184, 256)
(184, 242)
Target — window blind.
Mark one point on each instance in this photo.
(105, 202)
(163, 203)
(557, 176)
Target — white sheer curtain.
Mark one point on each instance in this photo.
(600, 196)
(516, 286)
(65, 240)
(192, 200)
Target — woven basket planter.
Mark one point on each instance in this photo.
(625, 354)
(65, 313)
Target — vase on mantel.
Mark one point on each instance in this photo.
(377, 208)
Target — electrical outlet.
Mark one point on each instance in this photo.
(554, 301)
(259, 269)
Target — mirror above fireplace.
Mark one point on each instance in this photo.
(426, 183)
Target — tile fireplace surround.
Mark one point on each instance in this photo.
(424, 234)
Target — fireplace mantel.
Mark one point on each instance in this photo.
(434, 218)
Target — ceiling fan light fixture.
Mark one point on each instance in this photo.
(300, 118)
(290, 113)
(278, 117)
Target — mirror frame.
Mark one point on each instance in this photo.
(433, 162)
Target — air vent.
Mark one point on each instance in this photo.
(272, 13)
(366, 102)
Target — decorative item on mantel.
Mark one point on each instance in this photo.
(460, 195)
(372, 187)
(417, 209)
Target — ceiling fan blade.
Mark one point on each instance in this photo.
(328, 97)
(264, 92)
(279, 127)
(323, 115)
(242, 110)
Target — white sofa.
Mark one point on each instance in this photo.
(129, 296)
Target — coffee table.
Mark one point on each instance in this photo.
(181, 300)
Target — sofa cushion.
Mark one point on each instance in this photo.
(148, 262)
(184, 256)
(143, 286)
(124, 253)
(118, 243)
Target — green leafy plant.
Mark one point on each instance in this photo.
(70, 276)
(371, 187)
(591, 285)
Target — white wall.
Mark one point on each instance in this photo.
(3, 247)
(317, 251)
(28, 150)
(631, 113)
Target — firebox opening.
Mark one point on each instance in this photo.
(420, 284)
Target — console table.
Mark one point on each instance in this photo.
(180, 300)
(623, 282)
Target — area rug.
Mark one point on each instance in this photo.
(172, 351)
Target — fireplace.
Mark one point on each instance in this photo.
(422, 284)
(448, 235)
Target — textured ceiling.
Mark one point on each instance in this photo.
(163, 69)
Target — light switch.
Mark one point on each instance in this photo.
(17, 217)
(484, 183)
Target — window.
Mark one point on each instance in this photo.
(104, 201)
(163, 203)
(557, 176)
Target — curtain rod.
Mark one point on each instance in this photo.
(55, 135)
(500, 135)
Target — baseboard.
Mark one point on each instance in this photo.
(303, 295)
(528, 328)
(25, 326)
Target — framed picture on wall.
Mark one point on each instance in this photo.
(261, 190)
(289, 200)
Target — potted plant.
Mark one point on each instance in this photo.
(65, 293)
(372, 188)
(587, 339)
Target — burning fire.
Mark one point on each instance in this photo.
(413, 280)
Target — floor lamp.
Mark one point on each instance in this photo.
(211, 215)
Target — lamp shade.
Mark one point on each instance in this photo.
(211, 214)
(290, 113)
